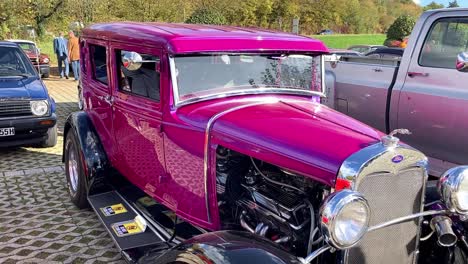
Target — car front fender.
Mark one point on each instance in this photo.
(224, 247)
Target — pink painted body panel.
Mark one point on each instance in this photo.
(293, 132)
(185, 38)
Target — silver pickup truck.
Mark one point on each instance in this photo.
(426, 91)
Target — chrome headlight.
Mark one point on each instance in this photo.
(344, 218)
(45, 60)
(39, 108)
(453, 188)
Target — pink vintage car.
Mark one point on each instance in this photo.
(208, 144)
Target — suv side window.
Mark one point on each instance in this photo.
(144, 81)
(99, 63)
(446, 39)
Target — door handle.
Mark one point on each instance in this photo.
(108, 99)
(420, 74)
(377, 70)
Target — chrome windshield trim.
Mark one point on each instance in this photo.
(206, 154)
(406, 218)
(253, 91)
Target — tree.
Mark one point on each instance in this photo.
(433, 5)
(452, 4)
(206, 16)
(401, 28)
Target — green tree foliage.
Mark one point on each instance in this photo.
(452, 4)
(341, 16)
(206, 16)
(401, 28)
(433, 5)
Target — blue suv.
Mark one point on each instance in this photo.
(27, 112)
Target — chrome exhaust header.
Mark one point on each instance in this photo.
(442, 225)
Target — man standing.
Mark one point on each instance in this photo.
(74, 54)
(60, 49)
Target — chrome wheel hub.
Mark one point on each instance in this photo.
(73, 168)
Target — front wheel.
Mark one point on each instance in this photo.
(74, 172)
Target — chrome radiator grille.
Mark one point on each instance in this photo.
(390, 196)
(14, 108)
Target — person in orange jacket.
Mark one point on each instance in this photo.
(74, 54)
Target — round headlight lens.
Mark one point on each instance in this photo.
(453, 187)
(39, 108)
(344, 218)
(45, 60)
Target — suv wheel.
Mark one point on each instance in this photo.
(51, 138)
(74, 172)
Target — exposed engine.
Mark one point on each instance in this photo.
(269, 201)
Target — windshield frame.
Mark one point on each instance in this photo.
(177, 102)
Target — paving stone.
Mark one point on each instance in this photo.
(39, 224)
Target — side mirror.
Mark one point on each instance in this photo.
(462, 62)
(132, 61)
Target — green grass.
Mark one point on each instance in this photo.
(46, 45)
(344, 41)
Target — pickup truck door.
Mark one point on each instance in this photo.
(433, 103)
(137, 118)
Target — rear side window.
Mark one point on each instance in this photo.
(83, 57)
(447, 38)
(99, 62)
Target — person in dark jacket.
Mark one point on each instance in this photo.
(60, 49)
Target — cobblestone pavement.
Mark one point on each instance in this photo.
(38, 223)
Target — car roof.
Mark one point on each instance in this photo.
(189, 38)
(397, 51)
(8, 44)
(20, 41)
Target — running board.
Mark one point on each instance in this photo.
(126, 227)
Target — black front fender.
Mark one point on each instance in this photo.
(96, 163)
(224, 247)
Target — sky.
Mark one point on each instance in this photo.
(461, 3)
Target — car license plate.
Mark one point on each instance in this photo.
(7, 131)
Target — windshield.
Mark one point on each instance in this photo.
(13, 62)
(205, 75)
(28, 47)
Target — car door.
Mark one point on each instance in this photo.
(96, 90)
(137, 118)
(434, 99)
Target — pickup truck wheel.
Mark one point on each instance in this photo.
(74, 172)
(51, 138)
(45, 75)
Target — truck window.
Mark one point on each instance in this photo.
(143, 82)
(99, 63)
(446, 39)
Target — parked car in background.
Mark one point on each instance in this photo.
(325, 32)
(386, 53)
(425, 92)
(208, 144)
(364, 48)
(41, 61)
(27, 112)
(345, 52)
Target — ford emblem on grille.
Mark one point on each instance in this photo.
(397, 159)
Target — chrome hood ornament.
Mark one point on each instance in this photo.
(391, 140)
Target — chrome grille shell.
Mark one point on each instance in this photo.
(393, 188)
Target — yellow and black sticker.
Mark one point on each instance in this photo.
(113, 209)
(147, 201)
(126, 228)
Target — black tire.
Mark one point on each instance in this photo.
(51, 140)
(46, 75)
(74, 165)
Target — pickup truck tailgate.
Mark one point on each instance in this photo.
(358, 87)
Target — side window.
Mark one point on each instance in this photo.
(99, 63)
(83, 56)
(447, 38)
(144, 81)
